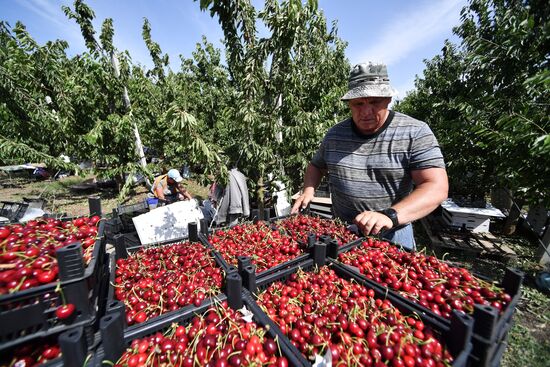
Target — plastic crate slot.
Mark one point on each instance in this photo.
(243, 262)
(70, 262)
(311, 239)
(117, 307)
(193, 232)
(485, 321)
(512, 280)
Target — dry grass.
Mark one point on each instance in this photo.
(60, 196)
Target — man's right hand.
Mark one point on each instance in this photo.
(303, 201)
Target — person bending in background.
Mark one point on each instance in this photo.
(385, 168)
(169, 188)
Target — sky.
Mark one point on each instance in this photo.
(399, 33)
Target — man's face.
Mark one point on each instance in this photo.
(369, 114)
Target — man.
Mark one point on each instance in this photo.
(385, 168)
(168, 187)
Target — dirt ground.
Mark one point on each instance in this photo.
(528, 340)
(69, 195)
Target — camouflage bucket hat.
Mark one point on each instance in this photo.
(369, 80)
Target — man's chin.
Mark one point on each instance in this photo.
(367, 128)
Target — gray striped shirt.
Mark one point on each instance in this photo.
(373, 172)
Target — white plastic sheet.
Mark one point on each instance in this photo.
(168, 222)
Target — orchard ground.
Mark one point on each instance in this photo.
(61, 197)
(529, 339)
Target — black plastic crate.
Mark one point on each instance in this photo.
(115, 340)
(76, 346)
(125, 213)
(275, 269)
(8, 355)
(12, 210)
(313, 236)
(132, 208)
(30, 314)
(489, 325)
(121, 251)
(455, 334)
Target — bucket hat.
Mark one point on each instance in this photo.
(369, 80)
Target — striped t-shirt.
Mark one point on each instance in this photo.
(372, 172)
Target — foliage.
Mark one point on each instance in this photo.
(32, 97)
(487, 100)
(265, 109)
(287, 85)
(179, 110)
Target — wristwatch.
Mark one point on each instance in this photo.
(392, 214)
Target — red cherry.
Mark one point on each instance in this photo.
(65, 311)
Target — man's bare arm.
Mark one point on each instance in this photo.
(312, 178)
(431, 188)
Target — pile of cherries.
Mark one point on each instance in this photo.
(32, 354)
(220, 337)
(320, 311)
(27, 252)
(265, 244)
(157, 280)
(428, 281)
(299, 226)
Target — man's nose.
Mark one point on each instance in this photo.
(367, 110)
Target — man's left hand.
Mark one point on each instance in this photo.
(372, 222)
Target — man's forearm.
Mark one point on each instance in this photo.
(421, 202)
(184, 192)
(424, 199)
(312, 177)
(160, 193)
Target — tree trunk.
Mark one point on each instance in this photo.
(260, 193)
(127, 105)
(501, 198)
(512, 219)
